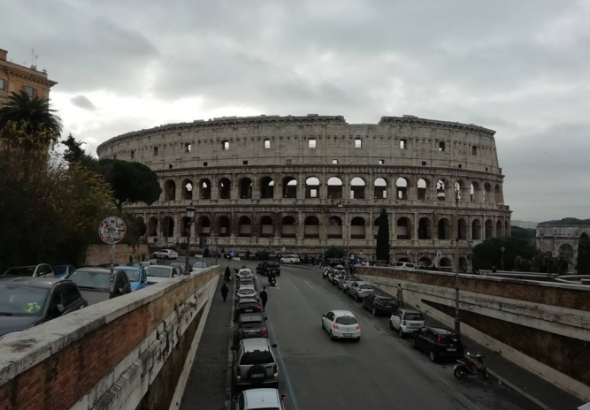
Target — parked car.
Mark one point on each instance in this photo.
(97, 285)
(264, 268)
(359, 289)
(250, 325)
(148, 262)
(43, 270)
(165, 254)
(405, 265)
(62, 271)
(255, 363)
(341, 324)
(247, 281)
(161, 273)
(263, 398)
(26, 302)
(341, 280)
(137, 276)
(380, 304)
(405, 321)
(246, 292)
(348, 282)
(290, 259)
(247, 305)
(199, 266)
(244, 272)
(438, 343)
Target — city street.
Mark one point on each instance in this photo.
(380, 372)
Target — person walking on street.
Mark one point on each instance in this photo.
(227, 274)
(224, 291)
(400, 295)
(263, 298)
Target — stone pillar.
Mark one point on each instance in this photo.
(233, 228)
(300, 186)
(370, 233)
(300, 227)
(277, 221)
(256, 188)
(415, 227)
(214, 187)
(324, 221)
(176, 232)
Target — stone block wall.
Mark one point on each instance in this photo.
(101, 254)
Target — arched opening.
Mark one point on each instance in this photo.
(267, 228)
(245, 188)
(476, 230)
(153, 226)
(311, 228)
(489, 229)
(403, 228)
(335, 188)
(288, 227)
(357, 188)
(170, 190)
(203, 226)
(459, 188)
(223, 226)
(462, 229)
(425, 262)
(566, 252)
(267, 188)
(506, 229)
(187, 189)
(312, 188)
(224, 188)
(401, 189)
(444, 229)
(357, 228)
(380, 188)
(441, 186)
(167, 227)
(498, 195)
(422, 189)
(487, 193)
(205, 187)
(424, 228)
(474, 192)
(334, 227)
(244, 226)
(463, 264)
(376, 227)
(444, 263)
(185, 226)
(289, 188)
(499, 229)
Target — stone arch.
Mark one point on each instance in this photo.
(380, 188)
(335, 227)
(311, 227)
(288, 227)
(223, 226)
(153, 226)
(489, 229)
(566, 251)
(401, 189)
(487, 193)
(403, 228)
(441, 189)
(474, 192)
(170, 190)
(459, 190)
(267, 188)
(444, 229)
(462, 229)
(167, 227)
(425, 262)
(357, 188)
(499, 229)
(187, 189)
(445, 262)
(244, 226)
(335, 188)
(224, 188)
(424, 228)
(357, 228)
(498, 197)
(422, 187)
(203, 226)
(463, 264)
(267, 228)
(476, 230)
(289, 187)
(205, 189)
(312, 188)
(245, 185)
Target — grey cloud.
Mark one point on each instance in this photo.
(83, 102)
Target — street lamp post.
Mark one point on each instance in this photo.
(190, 212)
(502, 249)
(456, 262)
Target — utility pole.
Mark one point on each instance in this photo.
(456, 262)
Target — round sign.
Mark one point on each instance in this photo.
(112, 230)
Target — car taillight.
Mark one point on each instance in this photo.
(335, 325)
(264, 332)
(404, 322)
(358, 325)
(438, 339)
(238, 308)
(275, 368)
(239, 333)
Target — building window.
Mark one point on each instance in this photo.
(2, 83)
(423, 163)
(381, 162)
(312, 143)
(30, 91)
(188, 147)
(474, 150)
(403, 144)
(460, 165)
(441, 146)
(132, 154)
(205, 164)
(358, 143)
(334, 161)
(266, 144)
(225, 145)
(244, 162)
(155, 151)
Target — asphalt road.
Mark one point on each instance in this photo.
(380, 372)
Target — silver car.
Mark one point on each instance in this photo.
(360, 289)
(260, 399)
(255, 363)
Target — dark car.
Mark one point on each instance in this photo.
(439, 343)
(97, 285)
(250, 325)
(247, 305)
(264, 268)
(62, 271)
(27, 302)
(380, 304)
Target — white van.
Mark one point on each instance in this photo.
(290, 259)
(404, 265)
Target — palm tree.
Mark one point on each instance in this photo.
(36, 112)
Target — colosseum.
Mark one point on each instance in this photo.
(302, 184)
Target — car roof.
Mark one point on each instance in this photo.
(262, 398)
(95, 270)
(441, 330)
(128, 267)
(41, 282)
(251, 317)
(255, 343)
(339, 313)
(248, 300)
(406, 310)
(247, 287)
(161, 266)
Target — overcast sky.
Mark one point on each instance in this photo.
(520, 67)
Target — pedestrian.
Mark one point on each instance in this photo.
(227, 275)
(400, 295)
(263, 298)
(224, 291)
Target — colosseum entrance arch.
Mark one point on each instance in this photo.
(223, 226)
(311, 227)
(357, 188)
(267, 228)
(403, 228)
(380, 188)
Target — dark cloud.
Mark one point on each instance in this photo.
(83, 102)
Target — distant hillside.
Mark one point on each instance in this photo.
(567, 221)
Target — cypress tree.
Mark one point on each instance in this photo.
(583, 265)
(382, 249)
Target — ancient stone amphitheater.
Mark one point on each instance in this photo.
(303, 184)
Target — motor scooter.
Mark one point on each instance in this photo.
(470, 365)
(272, 280)
(325, 274)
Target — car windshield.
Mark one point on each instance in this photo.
(132, 274)
(60, 269)
(346, 320)
(247, 292)
(92, 280)
(257, 357)
(20, 271)
(253, 325)
(413, 316)
(199, 265)
(159, 272)
(22, 300)
(449, 339)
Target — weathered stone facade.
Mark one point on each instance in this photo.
(560, 239)
(303, 183)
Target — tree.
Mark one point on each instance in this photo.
(334, 252)
(131, 182)
(489, 252)
(74, 153)
(382, 250)
(583, 265)
(35, 112)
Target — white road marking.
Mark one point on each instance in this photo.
(307, 283)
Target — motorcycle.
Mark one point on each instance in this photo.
(325, 274)
(272, 281)
(470, 365)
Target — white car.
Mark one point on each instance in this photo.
(406, 321)
(161, 273)
(341, 324)
(290, 259)
(404, 265)
(165, 254)
(260, 399)
(199, 266)
(245, 273)
(246, 291)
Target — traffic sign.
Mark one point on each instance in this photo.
(112, 230)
